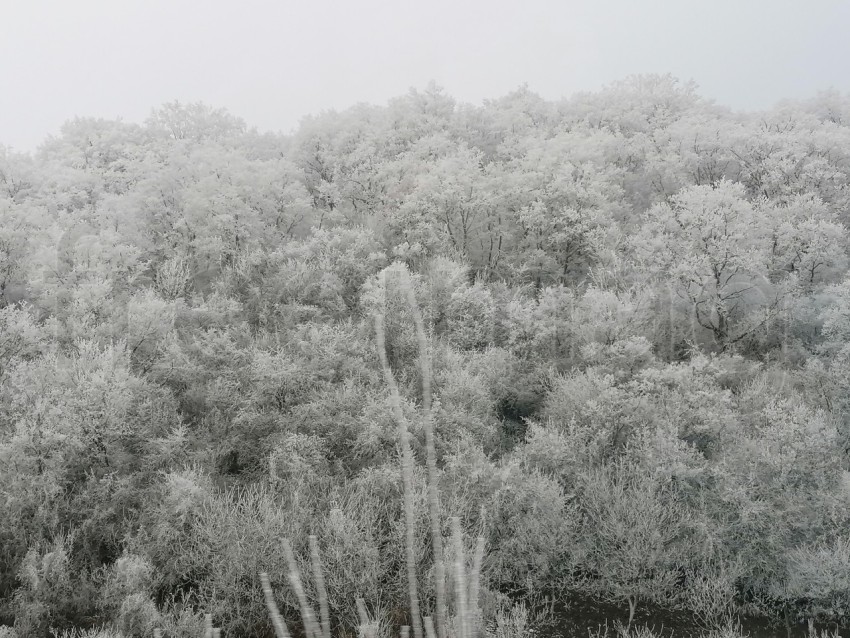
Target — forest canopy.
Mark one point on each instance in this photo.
(637, 305)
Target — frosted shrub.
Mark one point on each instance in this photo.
(173, 278)
(127, 595)
(511, 622)
(710, 595)
(97, 632)
(383, 293)
(298, 457)
(631, 533)
(471, 318)
(821, 574)
(622, 358)
(137, 616)
(185, 491)
(444, 278)
(49, 596)
(129, 574)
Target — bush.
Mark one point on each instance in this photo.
(470, 318)
(630, 535)
(53, 593)
(820, 575)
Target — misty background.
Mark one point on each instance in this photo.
(273, 62)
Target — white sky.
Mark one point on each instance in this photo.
(274, 61)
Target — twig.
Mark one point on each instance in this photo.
(406, 471)
(431, 460)
(475, 587)
(280, 628)
(366, 624)
(307, 615)
(320, 587)
(429, 628)
(460, 577)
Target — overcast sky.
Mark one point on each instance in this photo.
(274, 61)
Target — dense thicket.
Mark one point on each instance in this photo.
(638, 308)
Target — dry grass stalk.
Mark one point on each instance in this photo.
(407, 474)
(475, 587)
(467, 585)
(460, 580)
(367, 627)
(320, 587)
(311, 626)
(280, 628)
(429, 628)
(430, 461)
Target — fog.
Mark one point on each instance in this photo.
(272, 62)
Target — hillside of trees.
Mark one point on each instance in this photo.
(637, 315)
